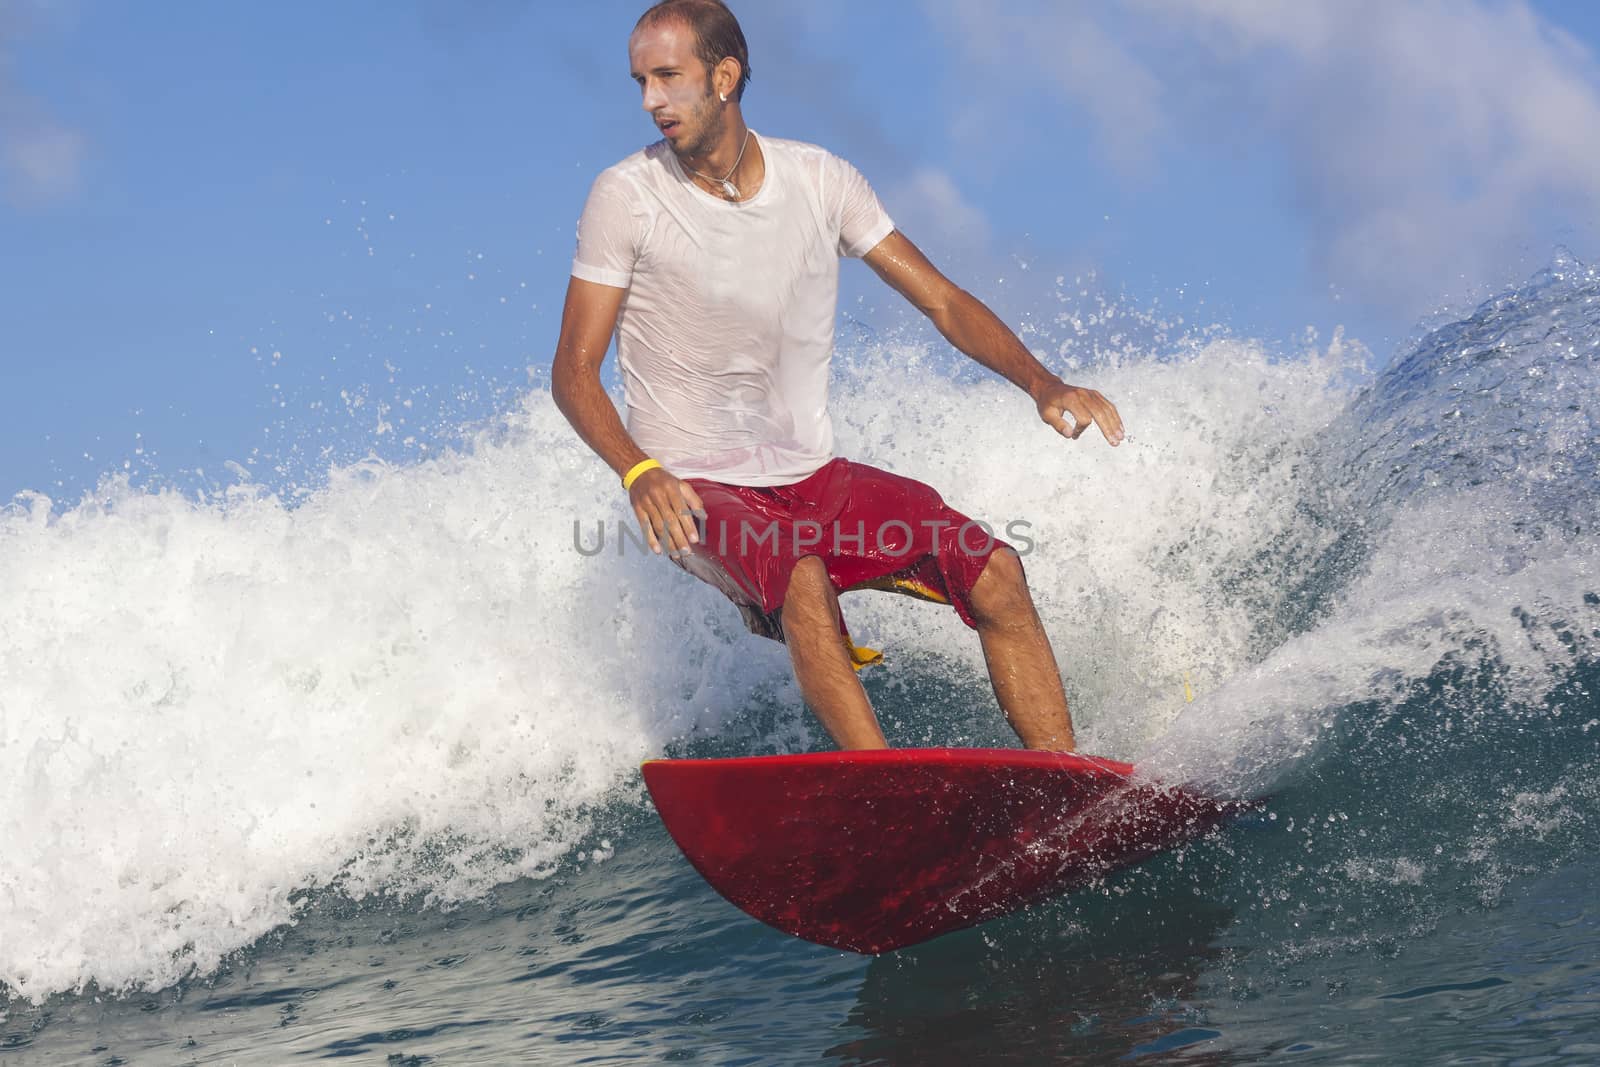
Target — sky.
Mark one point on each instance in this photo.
(244, 241)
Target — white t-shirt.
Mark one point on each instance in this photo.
(726, 331)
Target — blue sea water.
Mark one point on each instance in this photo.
(356, 775)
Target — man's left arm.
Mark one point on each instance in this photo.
(966, 322)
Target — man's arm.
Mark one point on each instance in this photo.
(660, 501)
(968, 324)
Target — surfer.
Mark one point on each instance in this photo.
(713, 256)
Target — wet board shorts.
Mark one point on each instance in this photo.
(870, 528)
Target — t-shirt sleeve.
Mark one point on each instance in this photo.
(607, 247)
(862, 221)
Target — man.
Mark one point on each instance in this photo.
(713, 255)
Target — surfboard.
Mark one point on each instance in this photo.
(876, 850)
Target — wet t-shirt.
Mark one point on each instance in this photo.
(726, 331)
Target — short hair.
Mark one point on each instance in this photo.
(716, 32)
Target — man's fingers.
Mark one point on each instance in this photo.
(648, 525)
(1056, 418)
(692, 497)
(1083, 424)
(1071, 424)
(691, 523)
(1084, 407)
(661, 526)
(664, 516)
(682, 530)
(679, 521)
(1109, 421)
(690, 509)
(665, 508)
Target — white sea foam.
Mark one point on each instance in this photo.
(1142, 560)
(412, 682)
(1454, 577)
(207, 707)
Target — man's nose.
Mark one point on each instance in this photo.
(653, 98)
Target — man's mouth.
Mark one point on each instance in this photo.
(668, 126)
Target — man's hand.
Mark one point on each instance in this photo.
(1083, 405)
(666, 509)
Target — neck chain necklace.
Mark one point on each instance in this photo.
(727, 186)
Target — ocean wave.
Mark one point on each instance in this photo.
(419, 680)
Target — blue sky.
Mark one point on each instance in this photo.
(254, 234)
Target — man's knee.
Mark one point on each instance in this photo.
(1001, 591)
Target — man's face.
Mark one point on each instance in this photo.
(675, 87)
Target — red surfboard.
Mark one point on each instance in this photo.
(872, 851)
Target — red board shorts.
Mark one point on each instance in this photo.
(870, 528)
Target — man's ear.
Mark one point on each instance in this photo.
(725, 76)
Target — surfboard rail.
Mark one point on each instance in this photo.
(871, 851)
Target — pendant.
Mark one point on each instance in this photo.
(731, 189)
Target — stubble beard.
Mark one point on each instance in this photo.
(712, 122)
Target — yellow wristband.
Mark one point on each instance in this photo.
(636, 470)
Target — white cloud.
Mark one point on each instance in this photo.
(1068, 48)
(41, 159)
(1425, 142)
(928, 206)
(42, 162)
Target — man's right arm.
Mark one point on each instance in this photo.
(587, 322)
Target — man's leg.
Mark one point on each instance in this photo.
(1022, 666)
(828, 682)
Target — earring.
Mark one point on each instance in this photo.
(724, 97)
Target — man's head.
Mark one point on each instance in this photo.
(691, 63)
